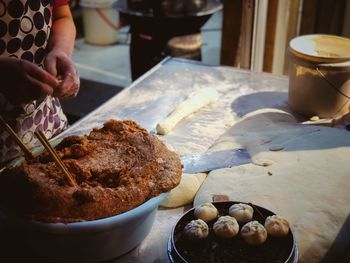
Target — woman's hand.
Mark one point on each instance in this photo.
(59, 64)
(60, 47)
(23, 81)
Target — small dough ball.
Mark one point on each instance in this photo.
(277, 226)
(254, 233)
(226, 227)
(206, 212)
(262, 162)
(196, 230)
(242, 212)
(314, 118)
(276, 148)
(185, 192)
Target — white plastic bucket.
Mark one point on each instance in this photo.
(319, 75)
(100, 21)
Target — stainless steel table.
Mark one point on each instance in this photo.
(152, 97)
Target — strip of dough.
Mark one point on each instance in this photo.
(193, 103)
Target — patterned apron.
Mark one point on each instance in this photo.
(24, 32)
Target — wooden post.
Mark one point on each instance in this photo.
(270, 35)
(308, 17)
(231, 30)
(292, 30)
(246, 41)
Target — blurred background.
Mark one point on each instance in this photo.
(119, 40)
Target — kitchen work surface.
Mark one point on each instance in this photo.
(152, 97)
(298, 171)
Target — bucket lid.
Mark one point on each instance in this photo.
(97, 3)
(321, 48)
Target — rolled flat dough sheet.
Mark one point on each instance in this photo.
(308, 181)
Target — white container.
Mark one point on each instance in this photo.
(100, 22)
(319, 75)
(86, 242)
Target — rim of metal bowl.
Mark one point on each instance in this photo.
(94, 225)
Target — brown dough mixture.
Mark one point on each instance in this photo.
(117, 168)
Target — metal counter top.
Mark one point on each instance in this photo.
(152, 97)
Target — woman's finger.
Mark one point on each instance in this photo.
(66, 68)
(39, 88)
(34, 90)
(50, 65)
(69, 87)
(40, 74)
(70, 80)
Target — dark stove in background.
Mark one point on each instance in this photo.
(167, 7)
(153, 23)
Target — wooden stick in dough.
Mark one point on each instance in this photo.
(193, 103)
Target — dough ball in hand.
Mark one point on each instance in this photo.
(206, 212)
(196, 230)
(277, 226)
(242, 212)
(254, 233)
(226, 227)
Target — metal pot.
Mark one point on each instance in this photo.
(177, 256)
(176, 7)
(168, 7)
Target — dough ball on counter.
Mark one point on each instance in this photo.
(185, 192)
(254, 233)
(196, 230)
(226, 227)
(277, 226)
(242, 212)
(206, 212)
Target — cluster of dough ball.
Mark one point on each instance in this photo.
(255, 233)
(252, 232)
